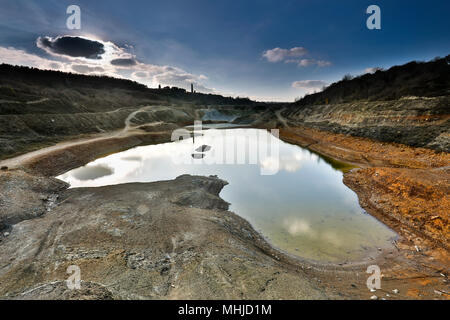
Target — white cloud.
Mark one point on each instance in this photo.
(293, 56)
(323, 63)
(372, 70)
(20, 57)
(279, 54)
(304, 62)
(297, 227)
(169, 76)
(309, 84)
(311, 62)
(148, 74)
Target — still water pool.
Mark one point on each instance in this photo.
(294, 198)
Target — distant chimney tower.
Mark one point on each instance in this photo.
(192, 88)
(159, 87)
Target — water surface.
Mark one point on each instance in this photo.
(303, 209)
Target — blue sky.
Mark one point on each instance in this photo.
(230, 47)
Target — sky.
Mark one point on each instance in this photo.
(261, 49)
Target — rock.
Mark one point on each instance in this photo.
(59, 290)
(203, 148)
(197, 155)
(395, 291)
(438, 292)
(373, 298)
(22, 195)
(170, 252)
(383, 117)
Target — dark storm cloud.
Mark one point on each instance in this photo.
(72, 46)
(123, 62)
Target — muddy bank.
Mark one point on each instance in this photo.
(412, 121)
(407, 184)
(24, 196)
(364, 151)
(162, 240)
(170, 240)
(99, 228)
(407, 189)
(415, 199)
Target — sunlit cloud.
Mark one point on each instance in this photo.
(20, 57)
(297, 227)
(279, 54)
(302, 227)
(93, 56)
(293, 56)
(309, 85)
(311, 62)
(373, 70)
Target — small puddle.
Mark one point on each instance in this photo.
(303, 209)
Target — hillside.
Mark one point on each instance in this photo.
(39, 107)
(26, 90)
(421, 79)
(408, 104)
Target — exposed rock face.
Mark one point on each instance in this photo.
(416, 198)
(364, 151)
(38, 107)
(407, 104)
(58, 290)
(417, 122)
(169, 239)
(24, 196)
(19, 133)
(404, 187)
(396, 183)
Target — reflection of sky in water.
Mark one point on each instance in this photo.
(304, 208)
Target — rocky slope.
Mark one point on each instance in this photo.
(39, 108)
(405, 188)
(162, 240)
(408, 104)
(417, 122)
